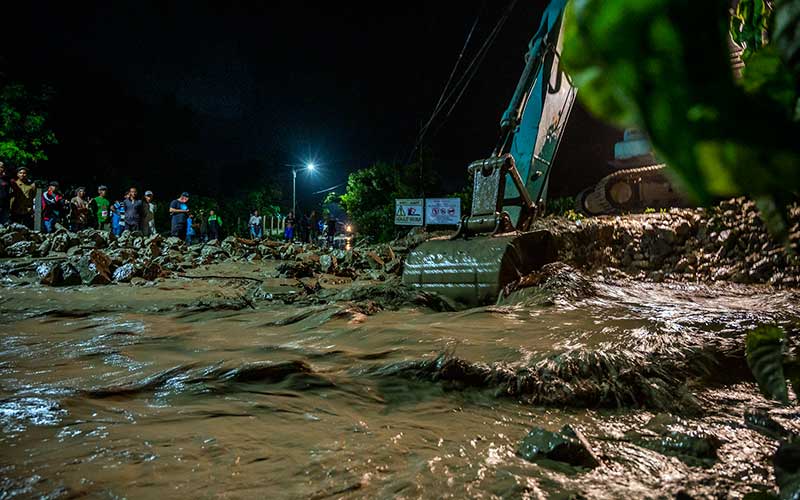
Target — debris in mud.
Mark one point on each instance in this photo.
(761, 421)
(60, 274)
(579, 378)
(568, 446)
(691, 448)
(728, 242)
(552, 282)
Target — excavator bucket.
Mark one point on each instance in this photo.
(474, 271)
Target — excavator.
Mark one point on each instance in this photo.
(495, 244)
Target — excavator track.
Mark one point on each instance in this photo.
(630, 189)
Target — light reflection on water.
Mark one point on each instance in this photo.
(250, 404)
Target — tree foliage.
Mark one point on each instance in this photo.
(24, 130)
(370, 195)
(664, 66)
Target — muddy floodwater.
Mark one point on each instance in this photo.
(175, 391)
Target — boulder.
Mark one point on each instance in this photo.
(328, 263)
(125, 273)
(14, 234)
(568, 446)
(95, 268)
(44, 248)
(374, 260)
(151, 271)
(294, 269)
(21, 249)
(63, 274)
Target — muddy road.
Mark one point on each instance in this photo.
(211, 387)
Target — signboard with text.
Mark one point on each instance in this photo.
(443, 211)
(408, 212)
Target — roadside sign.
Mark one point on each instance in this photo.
(408, 212)
(443, 211)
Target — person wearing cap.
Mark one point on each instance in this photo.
(23, 198)
(179, 212)
(149, 222)
(134, 210)
(53, 207)
(79, 213)
(101, 209)
(5, 196)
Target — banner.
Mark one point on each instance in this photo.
(443, 211)
(408, 212)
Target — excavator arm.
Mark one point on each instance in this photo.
(510, 187)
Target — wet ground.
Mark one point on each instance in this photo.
(194, 388)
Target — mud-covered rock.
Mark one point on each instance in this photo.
(124, 273)
(21, 249)
(295, 269)
(328, 263)
(63, 240)
(59, 274)
(691, 448)
(14, 233)
(150, 271)
(568, 446)
(761, 421)
(95, 268)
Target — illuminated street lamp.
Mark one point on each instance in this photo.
(309, 167)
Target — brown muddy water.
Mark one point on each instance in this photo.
(167, 392)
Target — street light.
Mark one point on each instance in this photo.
(309, 167)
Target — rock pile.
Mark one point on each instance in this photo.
(93, 257)
(728, 242)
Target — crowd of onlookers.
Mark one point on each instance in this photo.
(18, 203)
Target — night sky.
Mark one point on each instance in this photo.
(261, 84)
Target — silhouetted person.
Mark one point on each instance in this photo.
(5, 196)
(314, 229)
(191, 229)
(23, 197)
(214, 225)
(118, 217)
(149, 222)
(256, 228)
(79, 210)
(203, 222)
(53, 208)
(100, 209)
(330, 231)
(179, 211)
(289, 222)
(134, 211)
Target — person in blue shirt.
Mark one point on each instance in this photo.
(117, 217)
(179, 212)
(190, 232)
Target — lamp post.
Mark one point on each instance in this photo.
(310, 167)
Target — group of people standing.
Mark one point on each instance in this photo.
(130, 213)
(81, 212)
(306, 229)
